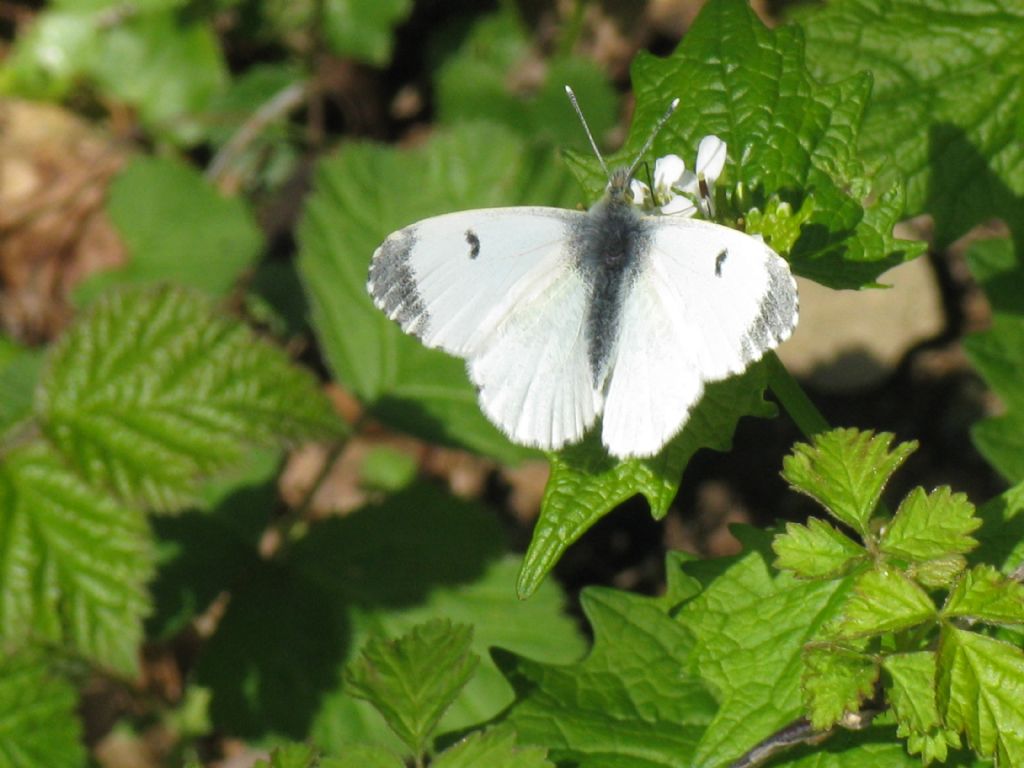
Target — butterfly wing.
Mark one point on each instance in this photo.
(706, 302)
(498, 287)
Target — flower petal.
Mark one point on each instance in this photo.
(640, 192)
(679, 206)
(667, 171)
(711, 157)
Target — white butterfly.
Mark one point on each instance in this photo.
(563, 316)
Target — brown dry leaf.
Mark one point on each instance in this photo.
(54, 172)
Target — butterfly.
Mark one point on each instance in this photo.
(565, 316)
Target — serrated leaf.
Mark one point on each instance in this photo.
(931, 525)
(153, 388)
(984, 594)
(585, 484)
(417, 556)
(836, 681)
(473, 83)
(361, 195)
(147, 203)
(845, 471)
(911, 694)
(728, 68)
(1001, 536)
(38, 726)
(629, 702)
(73, 563)
(980, 687)
(939, 573)
(494, 748)
(412, 680)
(816, 550)
(884, 601)
(751, 627)
(949, 123)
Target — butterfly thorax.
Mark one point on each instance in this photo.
(608, 245)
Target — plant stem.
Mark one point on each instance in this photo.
(793, 399)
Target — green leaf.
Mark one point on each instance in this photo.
(494, 748)
(939, 573)
(38, 727)
(364, 756)
(928, 526)
(361, 29)
(361, 195)
(631, 701)
(984, 594)
(948, 123)
(884, 601)
(911, 694)
(751, 627)
(845, 471)
(816, 550)
(586, 484)
(164, 63)
(417, 556)
(474, 84)
(728, 68)
(412, 680)
(980, 687)
(19, 371)
(73, 563)
(1002, 533)
(153, 388)
(148, 202)
(836, 681)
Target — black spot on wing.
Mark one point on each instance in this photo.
(474, 243)
(719, 261)
(392, 282)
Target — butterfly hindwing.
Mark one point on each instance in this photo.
(706, 302)
(498, 287)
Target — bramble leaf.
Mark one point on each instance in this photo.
(984, 594)
(413, 679)
(845, 471)
(884, 601)
(494, 748)
(19, 371)
(38, 727)
(816, 550)
(147, 203)
(836, 681)
(152, 388)
(980, 687)
(73, 562)
(364, 756)
(928, 526)
(911, 694)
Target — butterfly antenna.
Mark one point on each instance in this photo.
(593, 144)
(650, 139)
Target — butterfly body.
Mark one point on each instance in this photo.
(564, 316)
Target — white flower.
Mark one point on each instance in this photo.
(668, 172)
(710, 162)
(641, 193)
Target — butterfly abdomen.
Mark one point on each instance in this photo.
(608, 245)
